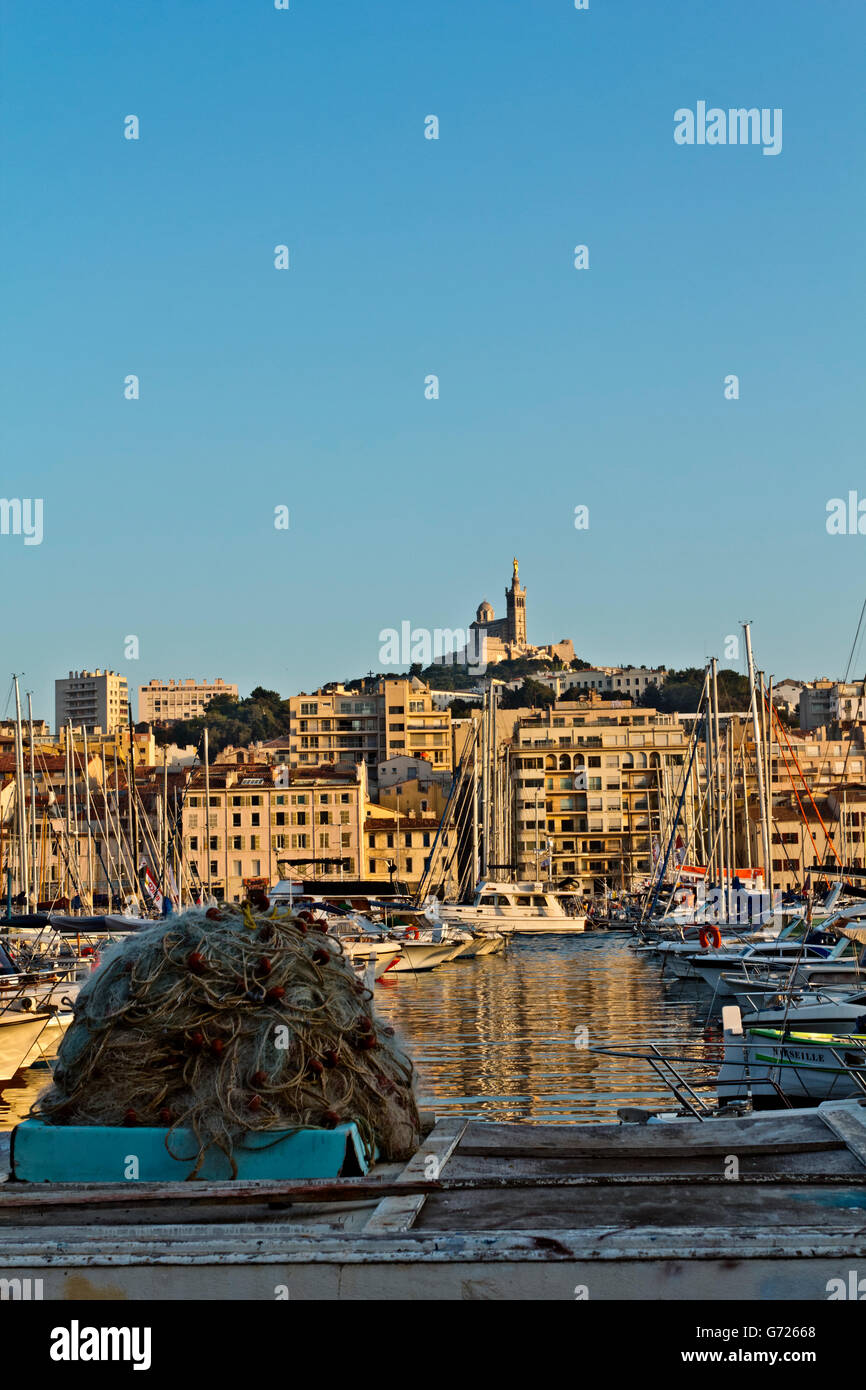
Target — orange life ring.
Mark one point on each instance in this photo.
(709, 934)
(411, 932)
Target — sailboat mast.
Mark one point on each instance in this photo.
(75, 819)
(207, 810)
(720, 823)
(33, 855)
(19, 794)
(89, 811)
(133, 805)
(475, 868)
(759, 759)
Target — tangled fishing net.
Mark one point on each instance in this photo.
(227, 1021)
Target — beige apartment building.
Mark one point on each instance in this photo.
(162, 702)
(391, 715)
(91, 700)
(398, 847)
(265, 822)
(588, 783)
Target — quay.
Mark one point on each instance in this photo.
(638, 1210)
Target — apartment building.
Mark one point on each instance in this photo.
(389, 716)
(398, 847)
(264, 822)
(91, 700)
(587, 789)
(628, 681)
(162, 702)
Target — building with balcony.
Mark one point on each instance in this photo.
(590, 790)
(264, 823)
(163, 702)
(388, 716)
(91, 700)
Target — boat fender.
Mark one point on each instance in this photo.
(709, 934)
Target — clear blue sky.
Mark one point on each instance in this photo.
(409, 257)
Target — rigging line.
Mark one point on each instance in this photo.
(851, 655)
(856, 637)
(808, 789)
(799, 802)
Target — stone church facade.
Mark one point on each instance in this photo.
(505, 638)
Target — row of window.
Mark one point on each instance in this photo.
(409, 838)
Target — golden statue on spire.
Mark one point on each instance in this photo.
(515, 567)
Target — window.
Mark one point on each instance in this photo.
(255, 842)
(237, 842)
(236, 818)
(371, 841)
(408, 866)
(193, 841)
(214, 842)
(237, 868)
(214, 868)
(256, 818)
(344, 817)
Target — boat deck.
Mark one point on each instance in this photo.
(482, 1211)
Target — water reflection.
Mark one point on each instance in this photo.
(495, 1038)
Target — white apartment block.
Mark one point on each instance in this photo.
(91, 700)
(163, 702)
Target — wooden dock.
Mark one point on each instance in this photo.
(482, 1211)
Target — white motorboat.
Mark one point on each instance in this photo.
(19, 1032)
(811, 1011)
(775, 1066)
(516, 908)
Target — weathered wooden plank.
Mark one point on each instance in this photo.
(849, 1124)
(748, 1133)
(168, 1245)
(683, 1165)
(697, 1206)
(738, 1145)
(671, 1132)
(399, 1213)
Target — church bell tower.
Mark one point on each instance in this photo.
(515, 598)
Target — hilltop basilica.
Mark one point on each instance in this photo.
(505, 638)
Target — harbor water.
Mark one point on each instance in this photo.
(509, 1037)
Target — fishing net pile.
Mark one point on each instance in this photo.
(223, 1021)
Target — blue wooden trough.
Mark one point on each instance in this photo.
(99, 1153)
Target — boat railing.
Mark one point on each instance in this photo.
(667, 1066)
